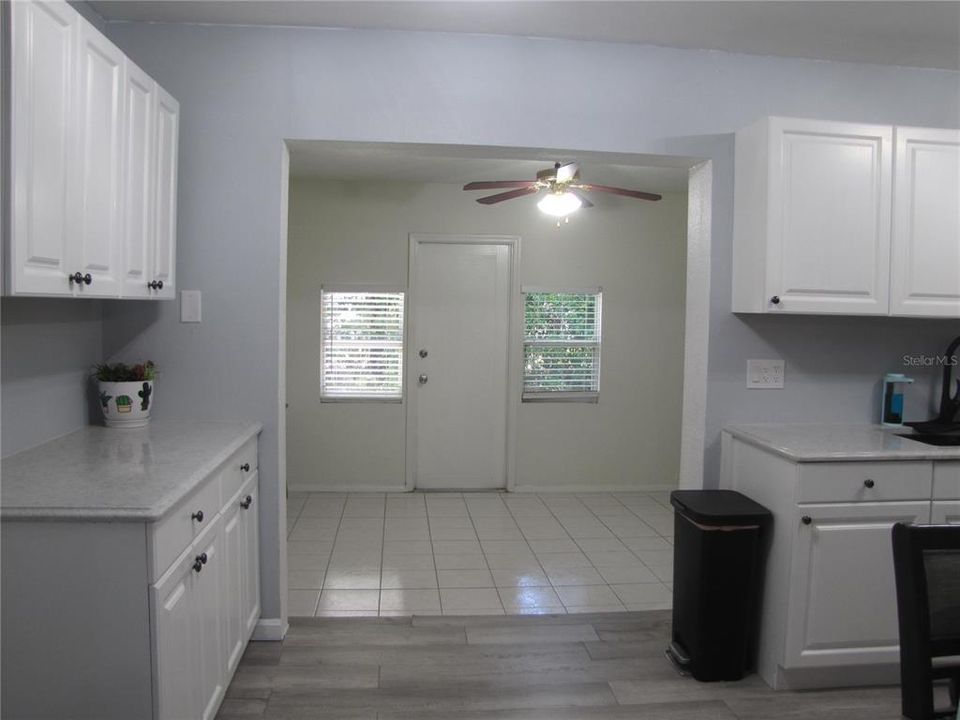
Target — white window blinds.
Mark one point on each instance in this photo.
(561, 345)
(361, 345)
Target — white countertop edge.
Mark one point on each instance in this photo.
(137, 514)
(921, 451)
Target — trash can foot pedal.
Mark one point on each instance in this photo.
(679, 659)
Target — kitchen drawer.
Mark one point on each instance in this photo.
(864, 482)
(946, 481)
(240, 468)
(170, 536)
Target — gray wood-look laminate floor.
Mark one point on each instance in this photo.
(549, 667)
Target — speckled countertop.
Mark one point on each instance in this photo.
(832, 443)
(113, 474)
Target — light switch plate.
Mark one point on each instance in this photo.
(190, 306)
(764, 373)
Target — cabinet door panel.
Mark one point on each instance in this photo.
(829, 227)
(925, 278)
(177, 694)
(842, 606)
(211, 675)
(95, 239)
(44, 61)
(140, 108)
(945, 512)
(251, 564)
(165, 222)
(232, 585)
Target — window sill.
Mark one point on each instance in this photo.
(560, 397)
(386, 400)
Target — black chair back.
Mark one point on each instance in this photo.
(926, 562)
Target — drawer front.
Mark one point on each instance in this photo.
(864, 482)
(171, 536)
(240, 468)
(946, 481)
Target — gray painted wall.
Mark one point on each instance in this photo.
(47, 348)
(243, 90)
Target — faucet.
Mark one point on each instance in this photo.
(949, 404)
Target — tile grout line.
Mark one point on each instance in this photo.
(433, 554)
(530, 548)
(483, 552)
(336, 535)
(383, 542)
(574, 541)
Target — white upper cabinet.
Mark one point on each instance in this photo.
(833, 218)
(165, 228)
(96, 241)
(43, 75)
(140, 98)
(88, 217)
(925, 276)
(812, 217)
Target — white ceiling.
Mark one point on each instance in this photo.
(920, 34)
(462, 164)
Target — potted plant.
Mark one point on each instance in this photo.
(126, 393)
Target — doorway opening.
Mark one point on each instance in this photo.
(462, 421)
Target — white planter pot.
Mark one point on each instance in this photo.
(126, 404)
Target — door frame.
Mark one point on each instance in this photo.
(514, 361)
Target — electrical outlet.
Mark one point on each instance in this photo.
(764, 373)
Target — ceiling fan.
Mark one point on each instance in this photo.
(563, 186)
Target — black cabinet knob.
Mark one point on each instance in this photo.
(159, 284)
(245, 467)
(198, 516)
(868, 483)
(202, 557)
(75, 278)
(245, 503)
(152, 284)
(197, 564)
(806, 519)
(775, 299)
(87, 279)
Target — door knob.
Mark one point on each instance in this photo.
(422, 379)
(423, 352)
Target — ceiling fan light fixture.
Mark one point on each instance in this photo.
(559, 204)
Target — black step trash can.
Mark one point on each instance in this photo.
(716, 582)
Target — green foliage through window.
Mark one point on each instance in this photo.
(561, 343)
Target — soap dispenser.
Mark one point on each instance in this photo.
(891, 410)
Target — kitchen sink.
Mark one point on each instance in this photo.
(946, 439)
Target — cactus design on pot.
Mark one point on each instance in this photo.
(145, 396)
(124, 404)
(105, 399)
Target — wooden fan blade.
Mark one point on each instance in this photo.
(491, 199)
(583, 198)
(566, 173)
(496, 184)
(639, 194)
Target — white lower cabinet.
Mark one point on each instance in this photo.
(829, 608)
(201, 611)
(132, 620)
(842, 599)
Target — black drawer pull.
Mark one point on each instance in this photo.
(868, 483)
(246, 502)
(245, 467)
(806, 519)
(198, 516)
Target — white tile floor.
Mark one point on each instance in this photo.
(478, 553)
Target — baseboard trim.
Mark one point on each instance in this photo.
(593, 488)
(270, 630)
(519, 489)
(347, 488)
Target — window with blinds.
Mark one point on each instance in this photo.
(561, 345)
(361, 345)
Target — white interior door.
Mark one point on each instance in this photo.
(460, 291)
